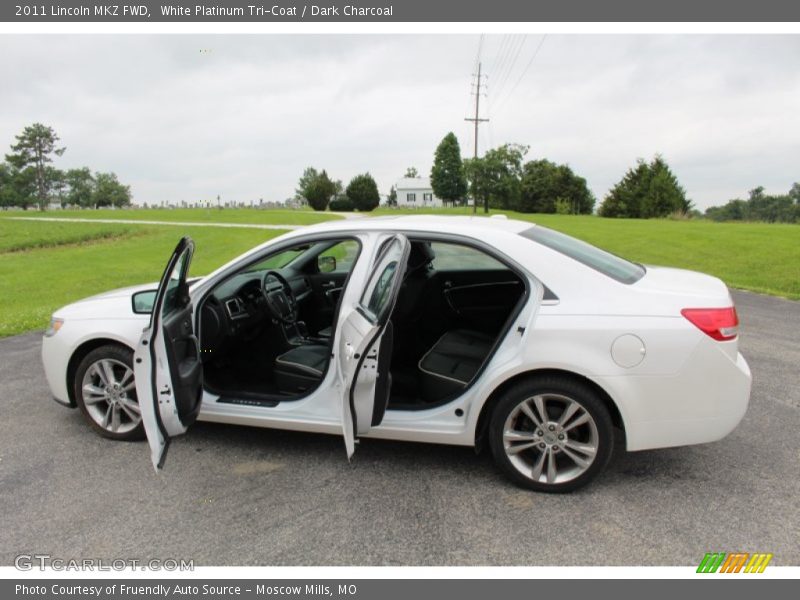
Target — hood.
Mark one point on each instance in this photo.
(121, 292)
(115, 304)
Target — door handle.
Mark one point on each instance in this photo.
(329, 284)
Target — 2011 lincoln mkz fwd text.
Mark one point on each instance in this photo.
(447, 330)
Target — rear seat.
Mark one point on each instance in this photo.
(449, 366)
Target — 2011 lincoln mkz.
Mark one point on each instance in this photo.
(446, 330)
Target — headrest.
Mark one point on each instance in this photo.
(421, 255)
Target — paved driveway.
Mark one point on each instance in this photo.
(238, 496)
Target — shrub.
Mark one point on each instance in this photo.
(342, 205)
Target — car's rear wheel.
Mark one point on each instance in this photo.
(105, 392)
(551, 434)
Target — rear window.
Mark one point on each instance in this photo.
(608, 264)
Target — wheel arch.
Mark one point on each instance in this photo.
(80, 353)
(486, 410)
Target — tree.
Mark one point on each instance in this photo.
(33, 150)
(362, 191)
(760, 206)
(17, 188)
(547, 188)
(645, 191)
(411, 173)
(447, 174)
(308, 176)
(56, 183)
(391, 199)
(7, 196)
(794, 193)
(80, 187)
(319, 191)
(495, 177)
(108, 191)
(317, 188)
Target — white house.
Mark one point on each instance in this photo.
(416, 192)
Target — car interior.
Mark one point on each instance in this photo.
(266, 331)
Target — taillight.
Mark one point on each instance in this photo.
(722, 324)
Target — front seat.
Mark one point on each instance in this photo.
(418, 272)
(300, 369)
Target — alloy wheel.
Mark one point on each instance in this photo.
(550, 438)
(109, 395)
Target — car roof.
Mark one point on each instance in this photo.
(426, 223)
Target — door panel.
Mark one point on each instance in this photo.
(363, 359)
(479, 299)
(167, 365)
(183, 358)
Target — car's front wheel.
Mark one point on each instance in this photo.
(105, 392)
(551, 434)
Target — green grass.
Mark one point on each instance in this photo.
(759, 257)
(44, 265)
(191, 215)
(16, 236)
(34, 283)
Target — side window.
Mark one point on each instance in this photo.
(378, 293)
(171, 300)
(455, 257)
(344, 254)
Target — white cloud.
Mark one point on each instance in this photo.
(188, 117)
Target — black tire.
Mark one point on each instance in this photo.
(557, 392)
(117, 356)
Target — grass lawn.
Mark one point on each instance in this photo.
(35, 282)
(27, 235)
(44, 265)
(191, 215)
(759, 257)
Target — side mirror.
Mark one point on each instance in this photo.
(143, 302)
(326, 264)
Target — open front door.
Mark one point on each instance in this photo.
(364, 345)
(167, 366)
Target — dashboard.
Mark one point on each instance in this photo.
(237, 308)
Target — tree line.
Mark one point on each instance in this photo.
(503, 179)
(28, 178)
(759, 206)
(321, 192)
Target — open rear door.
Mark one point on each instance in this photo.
(167, 366)
(364, 345)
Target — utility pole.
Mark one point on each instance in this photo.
(476, 120)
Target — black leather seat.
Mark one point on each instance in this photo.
(418, 271)
(451, 364)
(301, 369)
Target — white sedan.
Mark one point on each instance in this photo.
(446, 330)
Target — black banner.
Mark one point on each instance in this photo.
(282, 11)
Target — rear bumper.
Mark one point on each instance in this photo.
(703, 403)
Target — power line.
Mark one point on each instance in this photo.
(522, 76)
(507, 73)
(500, 53)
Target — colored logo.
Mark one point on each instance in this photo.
(735, 562)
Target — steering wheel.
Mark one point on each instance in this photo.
(281, 301)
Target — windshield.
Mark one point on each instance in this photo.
(608, 264)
